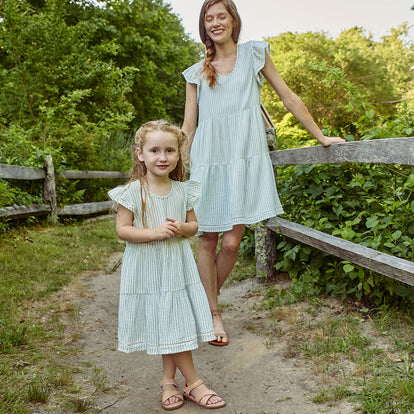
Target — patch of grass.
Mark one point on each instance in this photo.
(38, 391)
(99, 379)
(365, 356)
(35, 264)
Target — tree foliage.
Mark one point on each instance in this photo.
(329, 73)
(78, 77)
(75, 75)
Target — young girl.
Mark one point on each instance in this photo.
(163, 307)
(228, 148)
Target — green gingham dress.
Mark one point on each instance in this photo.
(163, 308)
(229, 152)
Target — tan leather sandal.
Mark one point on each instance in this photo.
(167, 394)
(205, 397)
(217, 314)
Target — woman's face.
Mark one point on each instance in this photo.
(219, 23)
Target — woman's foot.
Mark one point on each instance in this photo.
(171, 399)
(221, 336)
(201, 395)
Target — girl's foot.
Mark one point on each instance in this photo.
(221, 336)
(171, 399)
(201, 395)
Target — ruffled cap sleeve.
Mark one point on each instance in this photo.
(121, 195)
(193, 74)
(193, 192)
(259, 57)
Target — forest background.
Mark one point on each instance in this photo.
(77, 79)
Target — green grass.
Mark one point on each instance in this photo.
(35, 264)
(364, 356)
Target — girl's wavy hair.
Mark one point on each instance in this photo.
(139, 170)
(208, 68)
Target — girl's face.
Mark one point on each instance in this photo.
(218, 23)
(160, 153)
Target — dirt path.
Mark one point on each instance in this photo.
(253, 378)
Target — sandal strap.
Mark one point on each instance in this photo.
(168, 382)
(166, 395)
(205, 396)
(195, 384)
(208, 394)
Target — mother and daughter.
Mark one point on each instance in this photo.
(168, 303)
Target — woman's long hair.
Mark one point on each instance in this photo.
(139, 170)
(208, 68)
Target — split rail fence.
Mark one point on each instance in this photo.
(47, 174)
(382, 151)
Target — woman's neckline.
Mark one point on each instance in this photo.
(234, 67)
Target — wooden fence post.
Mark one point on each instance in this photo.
(49, 188)
(265, 239)
(265, 251)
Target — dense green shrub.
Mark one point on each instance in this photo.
(77, 78)
(372, 205)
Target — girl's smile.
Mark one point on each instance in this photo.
(160, 154)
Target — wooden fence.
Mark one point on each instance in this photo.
(381, 151)
(47, 174)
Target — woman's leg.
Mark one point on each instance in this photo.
(207, 268)
(229, 251)
(214, 270)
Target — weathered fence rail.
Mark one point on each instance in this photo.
(47, 174)
(382, 151)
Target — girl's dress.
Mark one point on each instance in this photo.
(229, 152)
(163, 307)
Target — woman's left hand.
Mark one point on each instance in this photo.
(331, 140)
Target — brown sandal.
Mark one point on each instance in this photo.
(223, 334)
(167, 394)
(205, 397)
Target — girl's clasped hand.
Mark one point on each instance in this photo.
(171, 228)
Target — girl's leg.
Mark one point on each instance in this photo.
(168, 376)
(184, 362)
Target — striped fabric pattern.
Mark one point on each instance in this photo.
(163, 307)
(229, 152)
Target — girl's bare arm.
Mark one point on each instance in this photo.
(126, 230)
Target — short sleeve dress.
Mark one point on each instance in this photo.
(229, 152)
(163, 307)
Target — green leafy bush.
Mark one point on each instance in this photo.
(372, 205)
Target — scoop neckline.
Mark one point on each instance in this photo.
(163, 196)
(235, 64)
